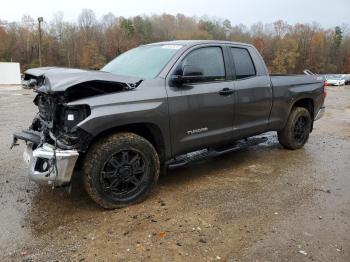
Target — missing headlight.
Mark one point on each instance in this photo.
(73, 115)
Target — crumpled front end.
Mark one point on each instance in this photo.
(54, 139)
(56, 123)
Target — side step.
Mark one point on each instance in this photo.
(185, 159)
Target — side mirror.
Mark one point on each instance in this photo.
(190, 73)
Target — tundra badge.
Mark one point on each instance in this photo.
(195, 131)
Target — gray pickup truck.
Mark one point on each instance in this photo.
(160, 106)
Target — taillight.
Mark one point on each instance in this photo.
(325, 84)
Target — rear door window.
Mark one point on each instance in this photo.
(243, 63)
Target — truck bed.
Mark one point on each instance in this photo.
(292, 80)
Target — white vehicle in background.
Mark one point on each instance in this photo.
(335, 80)
(346, 78)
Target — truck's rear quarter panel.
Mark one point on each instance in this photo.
(287, 90)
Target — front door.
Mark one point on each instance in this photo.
(201, 111)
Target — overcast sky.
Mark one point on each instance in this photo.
(326, 12)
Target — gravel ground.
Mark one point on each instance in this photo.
(261, 204)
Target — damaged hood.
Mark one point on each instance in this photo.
(58, 79)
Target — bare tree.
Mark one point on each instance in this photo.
(91, 42)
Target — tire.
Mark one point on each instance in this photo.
(120, 170)
(296, 132)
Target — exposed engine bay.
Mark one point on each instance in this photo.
(56, 122)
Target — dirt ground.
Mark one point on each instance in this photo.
(261, 204)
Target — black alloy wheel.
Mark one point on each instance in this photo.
(301, 129)
(123, 173)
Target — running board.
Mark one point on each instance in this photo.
(185, 159)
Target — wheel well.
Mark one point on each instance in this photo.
(306, 103)
(149, 131)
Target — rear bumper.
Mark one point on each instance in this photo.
(320, 113)
(42, 167)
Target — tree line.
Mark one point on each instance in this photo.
(91, 42)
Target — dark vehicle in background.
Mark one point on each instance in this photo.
(160, 106)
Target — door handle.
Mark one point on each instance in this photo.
(226, 91)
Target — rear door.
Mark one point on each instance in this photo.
(253, 94)
(201, 112)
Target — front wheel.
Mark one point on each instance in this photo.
(120, 170)
(296, 132)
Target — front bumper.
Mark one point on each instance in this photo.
(320, 113)
(42, 166)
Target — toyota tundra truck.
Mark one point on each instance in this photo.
(160, 106)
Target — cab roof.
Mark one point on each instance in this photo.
(189, 43)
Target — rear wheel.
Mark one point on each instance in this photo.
(120, 170)
(296, 132)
